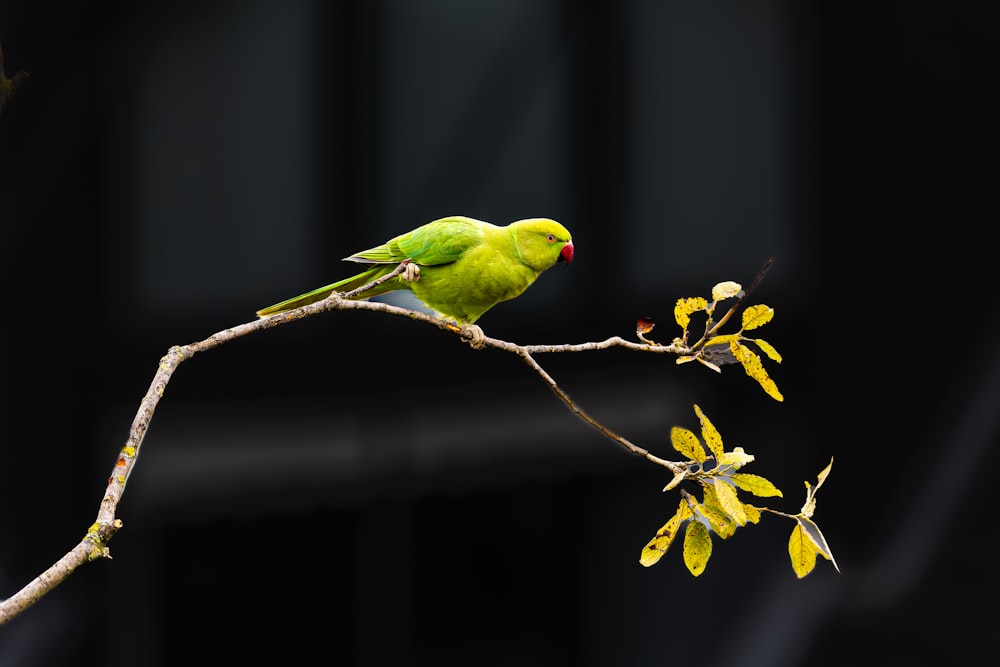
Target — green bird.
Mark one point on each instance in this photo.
(458, 266)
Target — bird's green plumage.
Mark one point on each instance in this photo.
(466, 266)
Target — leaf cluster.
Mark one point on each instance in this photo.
(715, 349)
(721, 510)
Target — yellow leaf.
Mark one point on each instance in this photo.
(723, 524)
(810, 505)
(753, 514)
(757, 316)
(735, 459)
(724, 339)
(680, 475)
(815, 535)
(712, 510)
(755, 484)
(767, 348)
(802, 551)
(658, 546)
(709, 433)
(697, 547)
(821, 477)
(730, 502)
(725, 290)
(708, 364)
(687, 443)
(687, 305)
(754, 368)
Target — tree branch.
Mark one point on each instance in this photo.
(94, 543)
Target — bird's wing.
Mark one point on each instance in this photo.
(440, 242)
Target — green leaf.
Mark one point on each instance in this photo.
(697, 547)
(687, 305)
(755, 369)
(687, 443)
(755, 484)
(757, 316)
(802, 551)
(709, 433)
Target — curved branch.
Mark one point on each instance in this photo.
(94, 543)
(674, 467)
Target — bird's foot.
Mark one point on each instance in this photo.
(411, 272)
(471, 332)
(477, 339)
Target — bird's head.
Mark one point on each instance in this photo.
(543, 242)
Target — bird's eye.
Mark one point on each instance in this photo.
(550, 238)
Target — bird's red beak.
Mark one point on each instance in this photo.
(566, 254)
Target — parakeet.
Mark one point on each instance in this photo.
(459, 267)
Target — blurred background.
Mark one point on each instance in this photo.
(357, 489)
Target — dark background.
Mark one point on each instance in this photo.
(356, 489)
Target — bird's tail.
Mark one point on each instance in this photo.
(345, 285)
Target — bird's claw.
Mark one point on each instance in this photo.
(411, 272)
(471, 332)
(477, 339)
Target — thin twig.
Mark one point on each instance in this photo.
(739, 301)
(675, 468)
